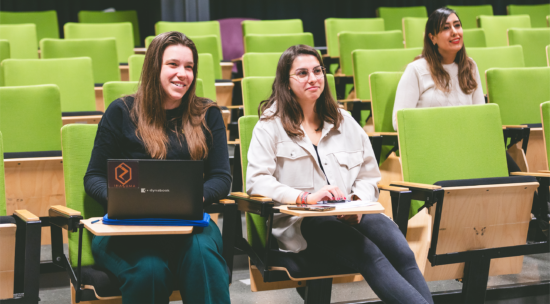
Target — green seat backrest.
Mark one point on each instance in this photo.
(548, 55)
(274, 43)
(122, 32)
(350, 42)
(288, 26)
(496, 57)
(496, 27)
(534, 42)
(334, 26)
(78, 141)
(460, 153)
(260, 64)
(519, 93)
(545, 116)
(393, 15)
(383, 87)
(468, 14)
(4, 54)
(116, 89)
(192, 29)
(135, 65)
(102, 52)
(413, 31)
(474, 38)
(22, 39)
(255, 224)
(209, 45)
(2, 181)
(73, 76)
(199, 88)
(112, 17)
(537, 13)
(148, 40)
(366, 62)
(206, 73)
(45, 21)
(332, 85)
(30, 118)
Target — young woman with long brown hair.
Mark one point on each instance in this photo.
(164, 120)
(304, 150)
(444, 75)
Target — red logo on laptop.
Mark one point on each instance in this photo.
(123, 173)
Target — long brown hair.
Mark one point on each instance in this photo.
(287, 107)
(149, 114)
(436, 23)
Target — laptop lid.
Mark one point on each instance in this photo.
(146, 188)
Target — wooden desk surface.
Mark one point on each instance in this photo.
(99, 229)
(376, 208)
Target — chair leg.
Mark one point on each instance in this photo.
(476, 275)
(27, 259)
(229, 232)
(318, 291)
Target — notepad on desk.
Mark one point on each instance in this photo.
(348, 205)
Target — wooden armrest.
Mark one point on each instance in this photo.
(341, 75)
(416, 185)
(226, 64)
(65, 210)
(392, 188)
(352, 100)
(260, 198)
(534, 174)
(514, 126)
(237, 59)
(236, 79)
(240, 194)
(544, 171)
(382, 133)
(235, 107)
(26, 215)
(227, 201)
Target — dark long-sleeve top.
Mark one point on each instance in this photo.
(116, 139)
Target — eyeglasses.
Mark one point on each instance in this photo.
(303, 74)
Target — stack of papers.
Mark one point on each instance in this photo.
(352, 204)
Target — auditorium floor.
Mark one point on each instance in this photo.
(54, 287)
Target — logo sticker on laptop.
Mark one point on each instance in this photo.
(124, 174)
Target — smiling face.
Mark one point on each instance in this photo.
(176, 74)
(306, 89)
(449, 39)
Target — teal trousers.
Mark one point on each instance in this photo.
(149, 268)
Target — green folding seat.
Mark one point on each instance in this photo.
(288, 26)
(537, 12)
(267, 43)
(135, 65)
(334, 26)
(209, 45)
(413, 31)
(393, 15)
(350, 42)
(112, 17)
(206, 73)
(260, 64)
(45, 21)
(496, 57)
(496, 27)
(534, 42)
(192, 29)
(545, 114)
(148, 41)
(122, 32)
(468, 14)
(474, 38)
(116, 89)
(4, 54)
(102, 52)
(22, 39)
(548, 55)
(73, 76)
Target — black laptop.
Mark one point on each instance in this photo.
(145, 188)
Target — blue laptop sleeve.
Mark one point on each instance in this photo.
(157, 222)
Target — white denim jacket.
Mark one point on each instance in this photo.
(281, 168)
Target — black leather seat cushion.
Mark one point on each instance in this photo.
(8, 155)
(300, 266)
(81, 113)
(7, 219)
(486, 181)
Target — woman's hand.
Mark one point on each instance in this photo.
(326, 193)
(352, 219)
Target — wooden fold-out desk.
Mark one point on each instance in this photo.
(98, 228)
(376, 208)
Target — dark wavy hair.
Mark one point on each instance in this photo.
(287, 107)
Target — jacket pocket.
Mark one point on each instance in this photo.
(294, 166)
(350, 165)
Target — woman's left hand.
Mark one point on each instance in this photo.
(352, 219)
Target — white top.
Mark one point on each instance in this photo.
(417, 89)
(281, 168)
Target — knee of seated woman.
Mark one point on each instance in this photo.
(148, 270)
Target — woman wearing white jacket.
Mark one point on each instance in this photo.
(304, 150)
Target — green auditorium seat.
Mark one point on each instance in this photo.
(548, 55)
(413, 31)
(496, 26)
(334, 26)
(468, 14)
(22, 39)
(193, 29)
(393, 15)
(45, 21)
(209, 45)
(496, 57)
(116, 89)
(264, 43)
(383, 86)
(206, 73)
(545, 117)
(288, 26)
(103, 53)
(135, 65)
(112, 17)
(537, 13)
(533, 42)
(474, 38)
(122, 32)
(260, 64)
(4, 54)
(148, 40)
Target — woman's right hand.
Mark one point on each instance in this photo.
(326, 193)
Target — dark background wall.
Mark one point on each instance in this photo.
(312, 12)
